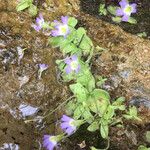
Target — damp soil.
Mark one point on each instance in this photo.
(23, 96)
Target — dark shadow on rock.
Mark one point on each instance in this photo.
(143, 16)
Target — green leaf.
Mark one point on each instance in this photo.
(85, 77)
(104, 130)
(99, 101)
(86, 45)
(71, 36)
(142, 34)
(101, 94)
(78, 112)
(133, 111)
(100, 81)
(118, 104)
(128, 117)
(70, 47)
(132, 114)
(83, 41)
(148, 136)
(93, 148)
(93, 127)
(61, 66)
(91, 84)
(112, 9)
(80, 33)
(110, 113)
(70, 107)
(116, 19)
(79, 91)
(58, 61)
(72, 21)
(87, 115)
(142, 147)
(102, 10)
(121, 107)
(33, 10)
(24, 4)
(119, 101)
(57, 41)
(132, 20)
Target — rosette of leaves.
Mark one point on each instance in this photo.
(27, 4)
(77, 42)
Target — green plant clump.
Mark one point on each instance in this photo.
(27, 4)
(88, 104)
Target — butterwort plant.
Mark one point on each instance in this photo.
(125, 10)
(90, 104)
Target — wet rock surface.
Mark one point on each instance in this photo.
(125, 63)
(22, 95)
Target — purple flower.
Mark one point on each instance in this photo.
(68, 124)
(72, 64)
(42, 67)
(61, 29)
(125, 10)
(49, 142)
(39, 23)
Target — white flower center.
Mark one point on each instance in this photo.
(41, 22)
(74, 65)
(53, 140)
(63, 29)
(71, 123)
(128, 9)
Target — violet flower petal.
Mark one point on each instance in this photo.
(47, 143)
(133, 8)
(67, 60)
(74, 57)
(64, 19)
(78, 69)
(65, 118)
(119, 12)
(69, 131)
(64, 125)
(68, 69)
(125, 18)
(123, 3)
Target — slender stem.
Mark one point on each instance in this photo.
(59, 106)
(108, 144)
(91, 55)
